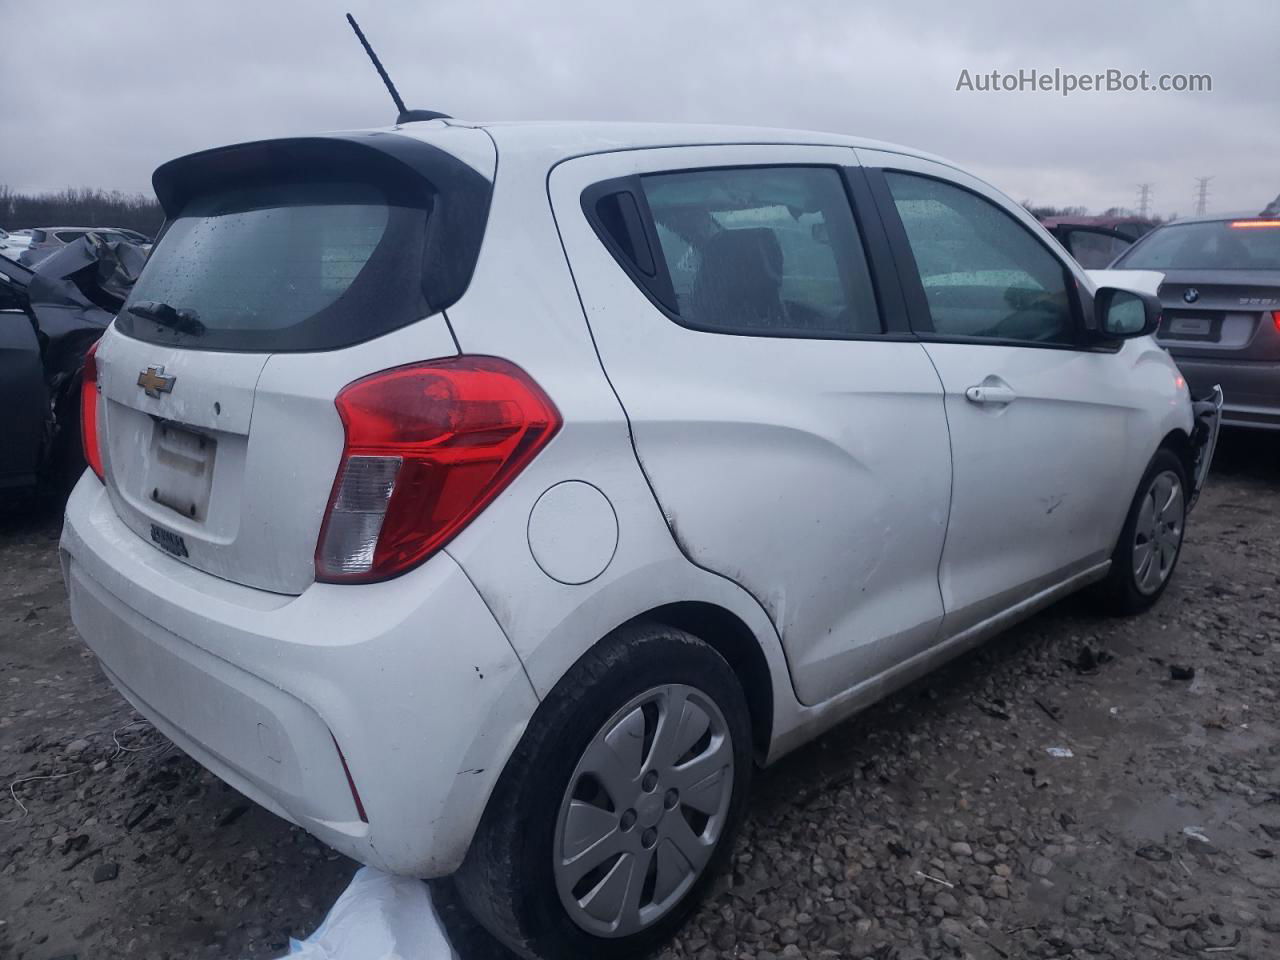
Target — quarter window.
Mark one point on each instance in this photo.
(984, 274)
(769, 251)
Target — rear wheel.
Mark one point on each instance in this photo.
(1151, 542)
(619, 805)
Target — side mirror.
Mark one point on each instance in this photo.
(1123, 314)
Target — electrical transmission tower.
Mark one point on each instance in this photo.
(1144, 199)
(1202, 195)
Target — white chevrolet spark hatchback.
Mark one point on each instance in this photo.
(489, 498)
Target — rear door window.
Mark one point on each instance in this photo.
(764, 251)
(1095, 249)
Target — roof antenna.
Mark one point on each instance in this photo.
(405, 115)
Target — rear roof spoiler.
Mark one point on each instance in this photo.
(378, 156)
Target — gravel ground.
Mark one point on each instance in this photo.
(937, 824)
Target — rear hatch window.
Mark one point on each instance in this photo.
(1251, 244)
(286, 267)
(305, 253)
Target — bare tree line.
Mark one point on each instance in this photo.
(1042, 211)
(80, 207)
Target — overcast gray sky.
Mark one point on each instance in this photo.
(99, 93)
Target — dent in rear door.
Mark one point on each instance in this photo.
(813, 472)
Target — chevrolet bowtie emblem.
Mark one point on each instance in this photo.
(153, 381)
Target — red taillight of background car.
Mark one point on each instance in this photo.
(428, 446)
(89, 411)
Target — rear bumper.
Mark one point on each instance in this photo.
(412, 678)
(1251, 389)
(1204, 438)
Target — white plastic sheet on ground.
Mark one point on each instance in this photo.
(378, 917)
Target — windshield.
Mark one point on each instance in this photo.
(296, 266)
(1212, 245)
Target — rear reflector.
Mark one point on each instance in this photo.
(428, 446)
(89, 411)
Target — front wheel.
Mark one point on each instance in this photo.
(1151, 542)
(620, 803)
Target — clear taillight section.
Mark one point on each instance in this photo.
(355, 519)
(89, 411)
(428, 446)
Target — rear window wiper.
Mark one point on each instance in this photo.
(184, 321)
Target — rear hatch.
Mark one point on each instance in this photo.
(286, 270)
(1223, 314)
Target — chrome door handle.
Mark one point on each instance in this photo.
(990, 394)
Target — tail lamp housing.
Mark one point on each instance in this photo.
(428, 446)
(89, 439)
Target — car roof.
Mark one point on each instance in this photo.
(1084, 220)
(569, 138)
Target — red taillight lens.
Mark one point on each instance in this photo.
(89, 411)
(1275, 317)
(428, 446)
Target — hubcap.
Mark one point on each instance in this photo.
(1159, 532)
(643, 811)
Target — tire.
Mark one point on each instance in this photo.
(514, 880)
(1133, 584)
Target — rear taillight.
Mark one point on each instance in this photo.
(89, 411)
(428, 446)
(1275, 318)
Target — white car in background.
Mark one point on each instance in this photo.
(46, 241)
(513, 558)
(13, 244)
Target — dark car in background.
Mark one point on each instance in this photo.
(50, 316)
(1096, 241)
(1221, 297)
